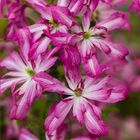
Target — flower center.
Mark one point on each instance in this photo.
(29, 71)
(78, 92)
(52, 22)
(86, 35)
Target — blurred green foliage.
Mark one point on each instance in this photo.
(3, 26)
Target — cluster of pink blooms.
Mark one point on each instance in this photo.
(77, 34)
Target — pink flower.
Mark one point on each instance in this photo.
(89, 39)
(80, 97)
(135, 6)
(21, 73)
(16, 18)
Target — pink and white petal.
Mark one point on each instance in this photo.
(86, 21)
(88, 81)
(71, 60)
(76, 6)
(13, 62)
(41, 7)
(86, 48)
(60, 38)
(91, 66)
(47, 64)
(99, 95)
(53, 121)
(22, 106)
(96, 85)
(115, 21)
(114, 50)
(26, 135)
(93, 4)
(24, 40)
(62, 15)
(22, 89)
(59, 134)
(38, 27)
(7, 83)
(70, 57)
(51, 84)
(118, 51)
(38, 48)
(59, 109)
(46, 61)
(101, 44)
(93, 123)
(79, 109)
(119, 93)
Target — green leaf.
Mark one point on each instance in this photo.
(3, 26)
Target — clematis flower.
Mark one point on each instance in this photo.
(89, 39)
(135, 6)
(80, 97)
(21, 73)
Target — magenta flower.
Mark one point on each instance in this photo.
(15, 14)
(89, 39)
(21, 73)
(79, 97)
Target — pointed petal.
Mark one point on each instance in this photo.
(51, 84)
(53, 121)
(93, 123)
(7, 83)
(24, 40)
(13, 62)
(92, 67)
(86, 20)
(119, 93)
(115, 21)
